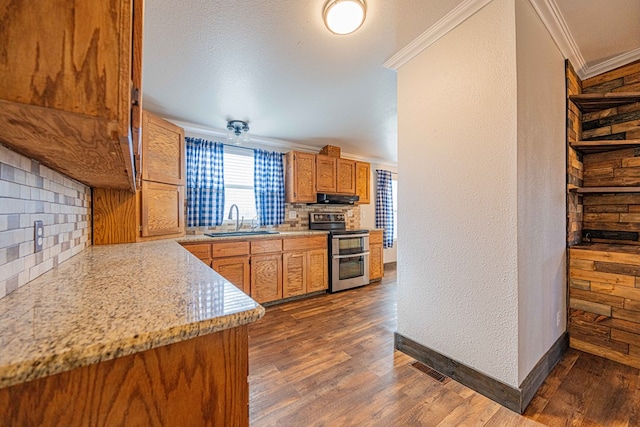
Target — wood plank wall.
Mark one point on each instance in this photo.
(605, 302)
(613, 212)
(604, 279)
(614, 123)
(574, 160)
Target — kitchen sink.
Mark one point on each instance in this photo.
(241, 233)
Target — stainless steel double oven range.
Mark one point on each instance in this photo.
(348, 251)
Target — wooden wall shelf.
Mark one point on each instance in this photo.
(605, 145)
(601, 190)
(589, 102)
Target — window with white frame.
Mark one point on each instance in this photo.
(238, 182)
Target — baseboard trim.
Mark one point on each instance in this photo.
(390, 265)
(516, 399)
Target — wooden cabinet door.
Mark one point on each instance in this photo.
(326, 174)
(162, 209)
(235, 270)
(363, 182)
(163, 152)
(317, 270)
(266, 277)
(294, 274)
(346, 176)
(300, 177)
(376, 265)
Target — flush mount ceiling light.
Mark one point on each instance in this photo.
(344, 16)
(237, 131)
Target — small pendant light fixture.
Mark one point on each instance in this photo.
(237, 131)
(344, 16)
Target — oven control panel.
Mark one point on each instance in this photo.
(327, 221)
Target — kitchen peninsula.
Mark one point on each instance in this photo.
(142, 332)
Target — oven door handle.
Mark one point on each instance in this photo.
(350, 236)
(350, 256)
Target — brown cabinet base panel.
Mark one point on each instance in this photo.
(202, 381)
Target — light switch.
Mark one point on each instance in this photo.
(292, 215)
(38, 235)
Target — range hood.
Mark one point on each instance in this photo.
(336, 199)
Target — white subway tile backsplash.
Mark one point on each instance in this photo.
(32, 192)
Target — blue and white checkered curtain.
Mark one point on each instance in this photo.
(268, 176)
(384, 207)
(205, 182)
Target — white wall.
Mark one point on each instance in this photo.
(368, 212)
(457, 265)
(481, 269)
(541, 188)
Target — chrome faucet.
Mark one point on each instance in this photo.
(238, 222)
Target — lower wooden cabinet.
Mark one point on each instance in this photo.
(294, 280)
(269, 269)
(376, 262)
(236, 270)
(317, 270)
(266, 277)
(199, 381)
(229, 259)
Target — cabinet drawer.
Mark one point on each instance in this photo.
(229, 249)
(304, 243)
(201, 250)
(266, 246)
(375, 237)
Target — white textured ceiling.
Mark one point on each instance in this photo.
(275, 65)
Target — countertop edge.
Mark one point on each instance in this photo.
(36, 368)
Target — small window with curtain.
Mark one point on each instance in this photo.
(394, 189)
(238, 182)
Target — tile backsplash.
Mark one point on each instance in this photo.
(32, 192)
(301, 221)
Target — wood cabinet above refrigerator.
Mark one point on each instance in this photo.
(70, 79)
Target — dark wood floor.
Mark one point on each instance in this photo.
(329, 361)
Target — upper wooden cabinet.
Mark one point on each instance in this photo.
(300, 177)
(67, 81)
(162, 209)
(164, 152)
(157, 209)
(326, 174)
(346, 171)
(363, 182)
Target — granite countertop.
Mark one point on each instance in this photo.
(111, 301)
(202, 238)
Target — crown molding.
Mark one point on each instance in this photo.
(451, 20)
(610, 64)
(552, 19)
(260, 142)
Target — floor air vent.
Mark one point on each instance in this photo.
(441, 378)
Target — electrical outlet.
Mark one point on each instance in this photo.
(292, 215)
(38, 234)
(350, 214)
(558, 318)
